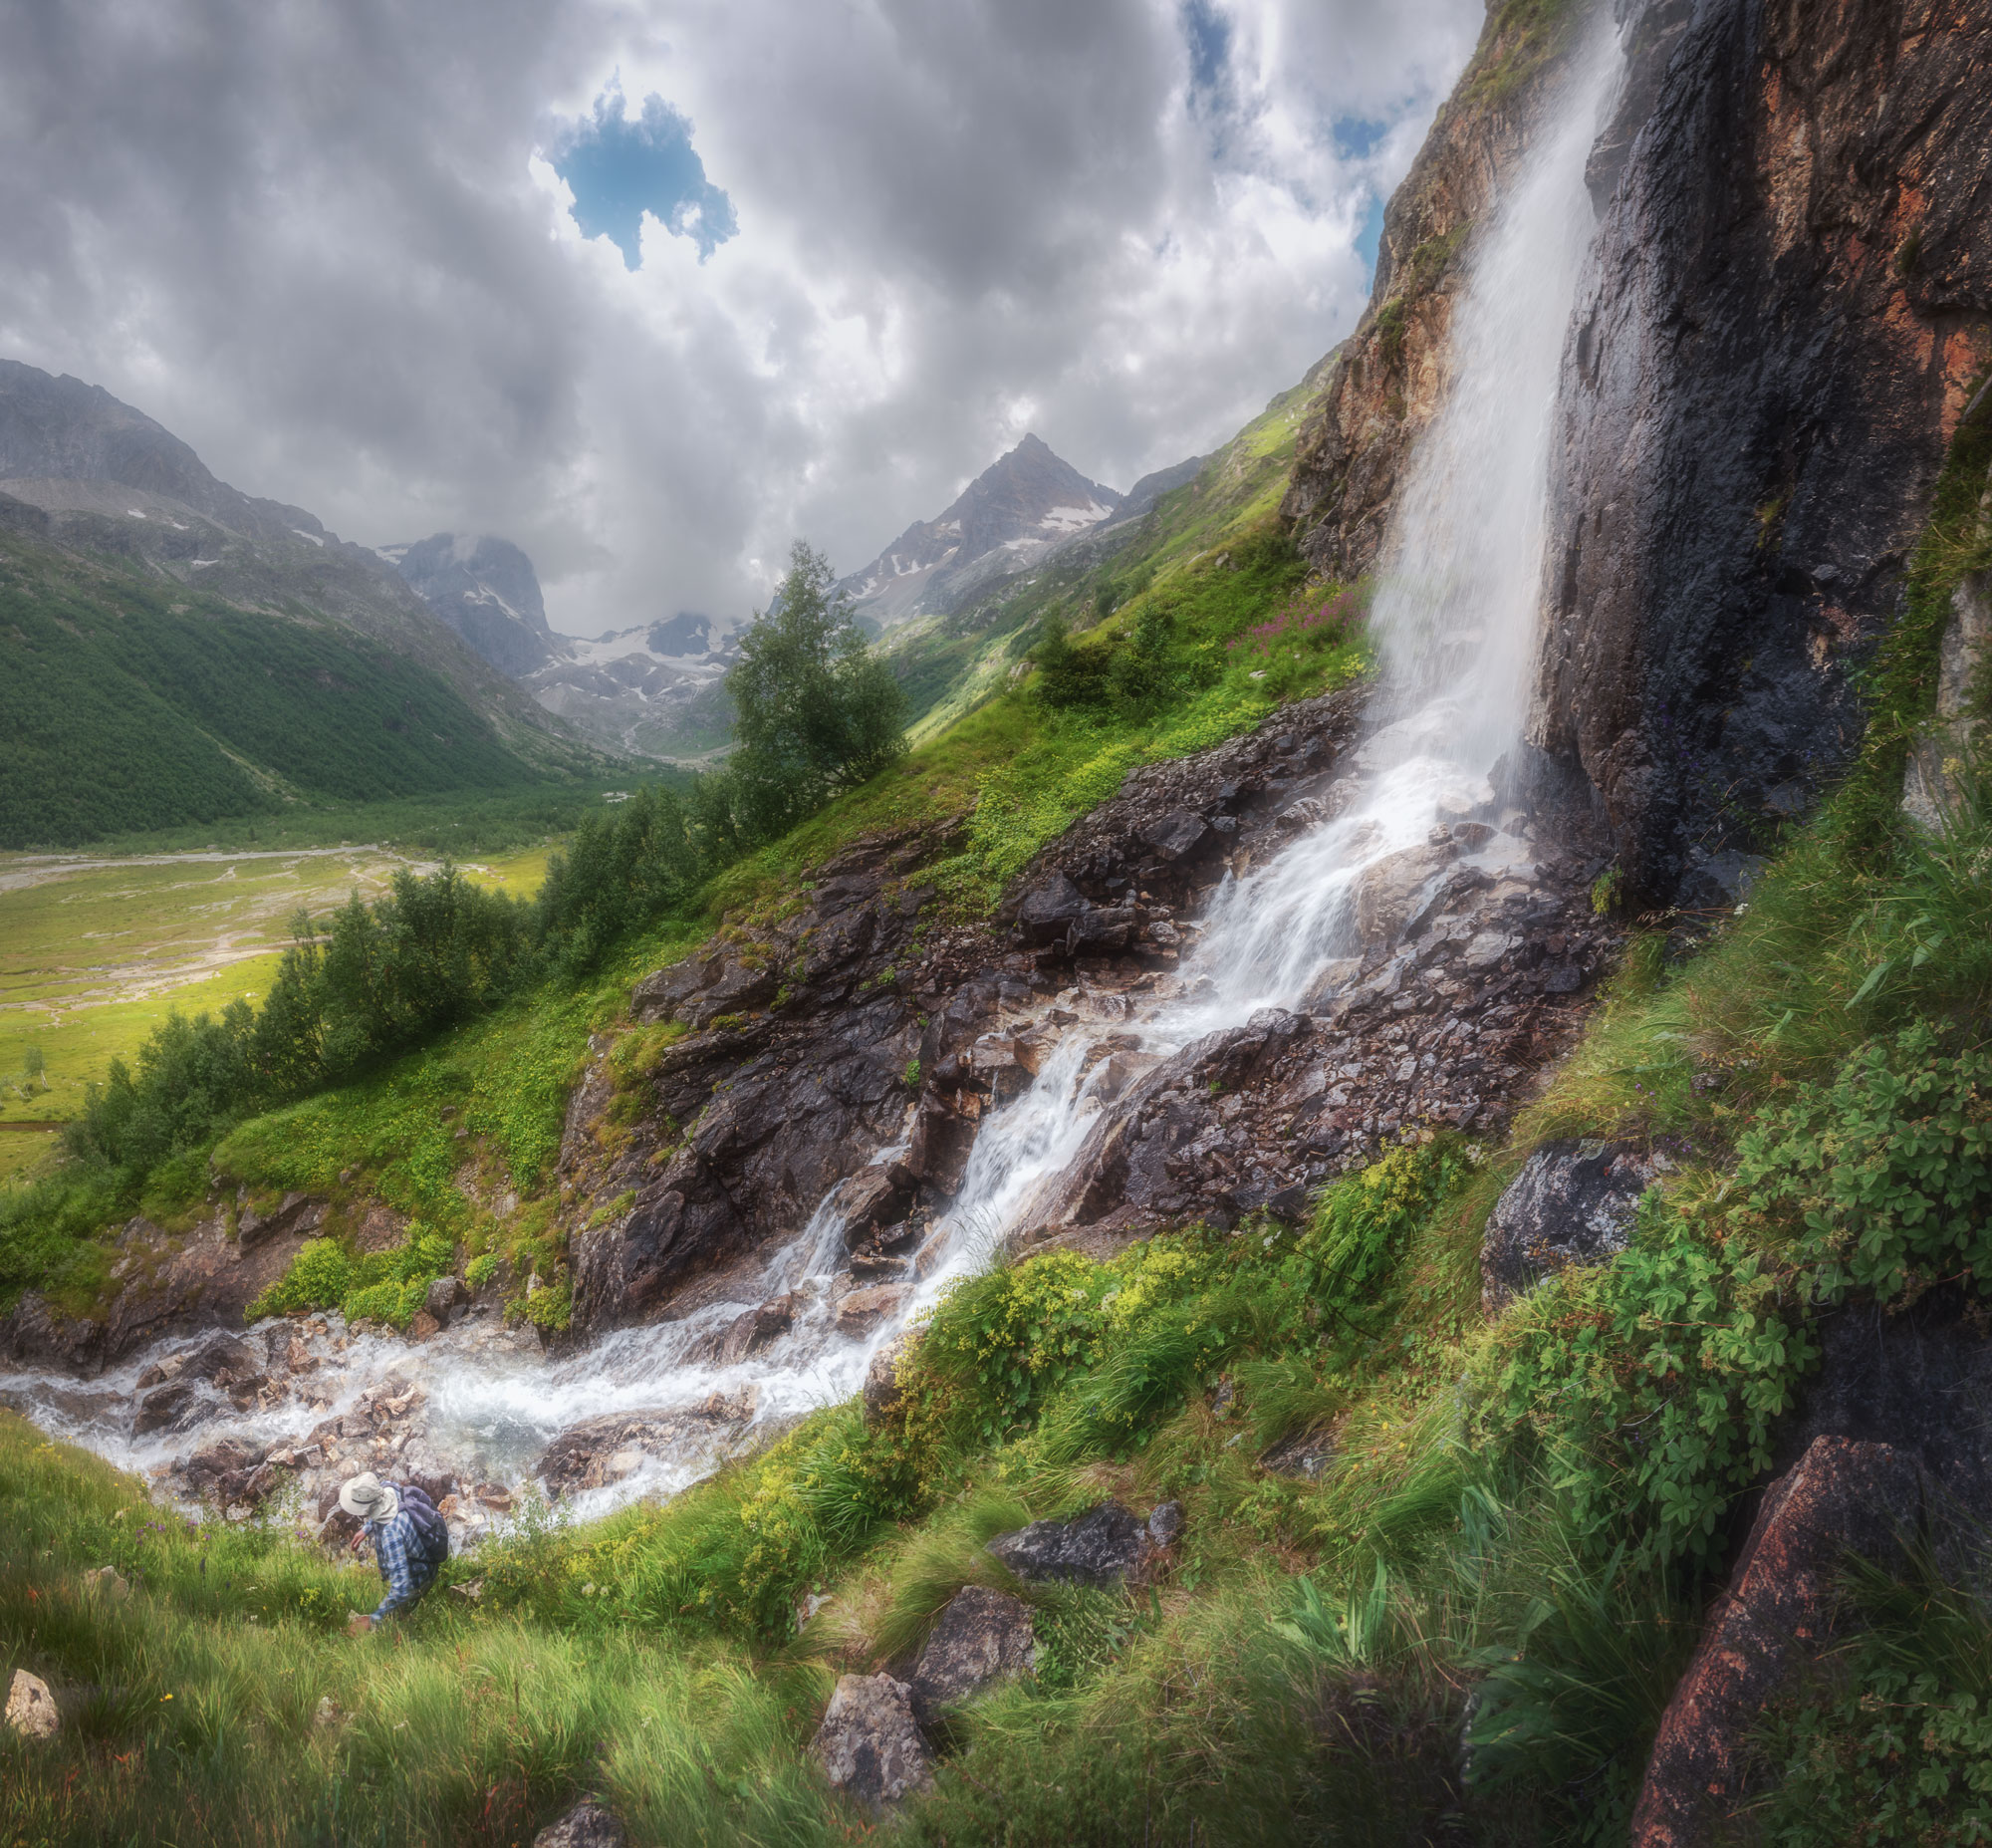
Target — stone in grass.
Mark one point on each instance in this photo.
(868, 1744)
(586, 1825)
(1574, 1202)
(1107, 1545)
(31, 1708)
(980, 1638)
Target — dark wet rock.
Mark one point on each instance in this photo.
(586, 1825)
(862, 1310)
(1717, 577)
(1574, 1202)
(942, 1139)
(753, 1331)
(446, 1295)
(297, 1213)
(604, 1450)
(167, 1408)
(1049, 909)
(868, 1744)
(982, 1638)
(1166, 1523)
(1843, 1499)
(875, 1196)
(1107, 1545)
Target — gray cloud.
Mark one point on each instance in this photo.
(323, 243)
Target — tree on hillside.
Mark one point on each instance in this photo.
(817, 711)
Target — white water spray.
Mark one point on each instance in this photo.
(1455, 621)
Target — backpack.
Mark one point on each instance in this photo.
(431, 1532)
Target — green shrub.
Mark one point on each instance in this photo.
(1654, 1382)
(1009, 1338)
(1364, 1222)
(319, 1278)
(481, 1270)
(1884, 1175)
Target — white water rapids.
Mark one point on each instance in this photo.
(1455, 621)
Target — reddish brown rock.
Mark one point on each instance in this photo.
(1841, 1497)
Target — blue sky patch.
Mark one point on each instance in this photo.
(1371, 234)
(1357, 139)
(620, 166)
(1209, 36)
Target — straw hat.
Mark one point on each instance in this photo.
(369, 1498)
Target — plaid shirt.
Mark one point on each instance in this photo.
(407, 1573)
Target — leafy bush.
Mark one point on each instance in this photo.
(379, 1286)
(1009, 1338)
(1655, 1383)
(1884, 1175)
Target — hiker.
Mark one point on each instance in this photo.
(411, 1541)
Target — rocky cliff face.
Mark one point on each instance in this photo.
(487, 590)
(1792, 301)
(1793, 297)
(1383, 384)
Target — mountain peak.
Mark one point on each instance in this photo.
(1015, 511)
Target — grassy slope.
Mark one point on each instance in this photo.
(1488, 1522)
(132, 705)
(950, 665)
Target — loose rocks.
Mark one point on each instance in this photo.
(1107, 1545)
(868, 1744)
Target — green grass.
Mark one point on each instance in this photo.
(95, 954)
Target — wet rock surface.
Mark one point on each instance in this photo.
(1574, 1202)
(1107, 1545)
(1740, 488)
(1844, 1499)
(1470, 973)
(981, 1637)
(868, 1744)
(602, 1452)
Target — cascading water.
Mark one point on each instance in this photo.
(1455, 623)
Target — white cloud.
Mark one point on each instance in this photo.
(317, 242)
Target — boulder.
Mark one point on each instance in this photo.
(1107, 1545)
(1388, 892)
(445, 1294)
(108, 1582)
(167, 1408)
(751, 1332)
(1047, 910)
(219, 1355)
(586, 1825)
(423, 1326)
(1574, 1202)
(938, 1150)
(862, 1310)
(1843, 1498)
(981, 1637)
(1178, 835)
(873, 1197)
(602, 1451)
(869, 1745)
(31, 1708)
(881, 1380)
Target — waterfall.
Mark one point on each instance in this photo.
(1455, 621)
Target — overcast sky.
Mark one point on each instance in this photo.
(650, 287)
